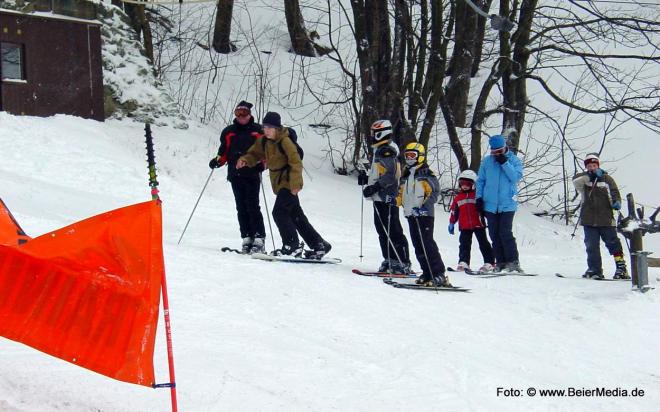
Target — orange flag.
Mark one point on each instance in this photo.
(11, 233)
(89, 293)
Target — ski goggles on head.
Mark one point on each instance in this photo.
(499, 151)
(241, 112)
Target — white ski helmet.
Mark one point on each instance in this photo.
(468, 175)
(380, 129)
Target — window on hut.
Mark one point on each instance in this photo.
(11, 60)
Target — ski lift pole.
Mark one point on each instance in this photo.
(153, 183)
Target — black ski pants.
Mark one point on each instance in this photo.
(291, 220)
(465, 246)
(246, 195)
(500, 229)
(592, 237)
(426, 250)
(386, 217)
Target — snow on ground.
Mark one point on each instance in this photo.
(255, 336)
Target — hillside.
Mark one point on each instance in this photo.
(251, 335)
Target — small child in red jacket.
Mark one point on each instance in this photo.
(464, 210)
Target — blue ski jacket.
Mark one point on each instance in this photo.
(497, 184)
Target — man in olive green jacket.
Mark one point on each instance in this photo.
(285, 166)
(600, 196)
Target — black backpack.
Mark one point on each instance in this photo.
(294, 138)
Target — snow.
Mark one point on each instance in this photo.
(253, 335)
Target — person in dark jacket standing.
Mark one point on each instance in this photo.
(285, 166)
(382, 188)
(600, 196)
(464, 211)
(235, 140)
(497, 187)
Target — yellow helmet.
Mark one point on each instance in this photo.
(414, 153)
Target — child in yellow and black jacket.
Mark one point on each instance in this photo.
(418, 193)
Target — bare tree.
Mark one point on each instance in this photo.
(222, 27)
(301, 40)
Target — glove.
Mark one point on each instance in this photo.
(480, 205)
(450, 228)
(616, 205)
(214, 163)
(363, 179)
(419, 211)
(599, 172)
(390, 200)
(501, 158)
(370, 190)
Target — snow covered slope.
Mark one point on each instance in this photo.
(254, 336)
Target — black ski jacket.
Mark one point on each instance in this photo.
(235, 140)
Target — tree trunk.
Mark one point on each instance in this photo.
(137, 15)
(458, 88)
(222, 28)
(301, 43)
(372, 37)
(514, 81)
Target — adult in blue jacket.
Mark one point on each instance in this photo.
(497, 186)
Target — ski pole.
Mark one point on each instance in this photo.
(361, 224)
(195, 207)
(428, 262)
(270, 227)
(389, 240)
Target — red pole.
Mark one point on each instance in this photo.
(153, 183)
(168, 333)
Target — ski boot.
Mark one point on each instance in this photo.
(499, 267)
(487, 268)
(462, 266)
(593, 274)
(423, 279)
(385, 266)
(621, 271)
(290, 250)
(514, 267)
(400, 267)
(258, 245)
(321, 250)
(247, 245)
(440, 280)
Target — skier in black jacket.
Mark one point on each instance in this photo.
(235, 140)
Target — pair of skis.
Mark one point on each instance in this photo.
(283, 258)
(560, 275)
(388, 278)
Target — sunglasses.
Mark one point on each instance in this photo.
(241, 112)
(501, 150)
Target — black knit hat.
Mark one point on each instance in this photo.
(272, 119)
(244, 105)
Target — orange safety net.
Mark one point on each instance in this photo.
(89, 293)
(11, 233)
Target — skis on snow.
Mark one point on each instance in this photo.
(283, 258)
(491, 274)
(560, 275)
(228, 249)
(384, 274)
(401, 285)
(292, 259)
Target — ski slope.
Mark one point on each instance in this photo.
(266, 336)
